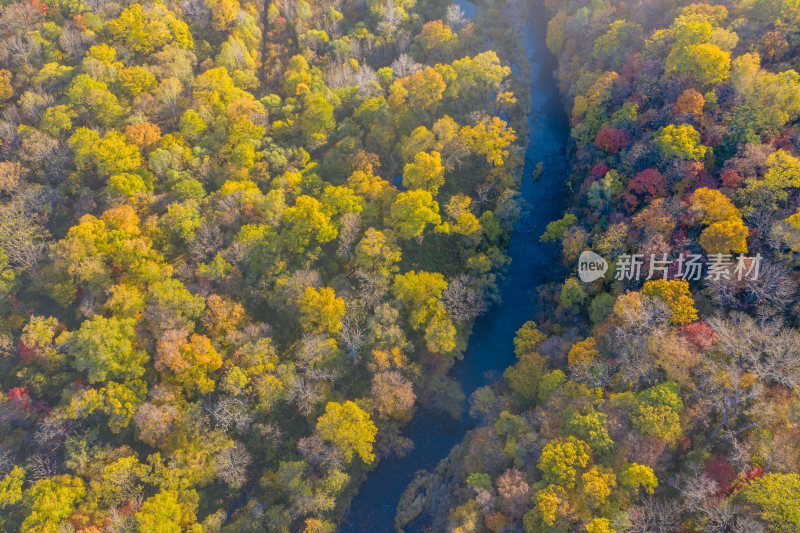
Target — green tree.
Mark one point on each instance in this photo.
(557, 228)
(440, 333)
(376, 252)
(590, 428)
(705, 62)
(144, 30)
(657, 411)
(420, 293)
(104, 348)
(528, 337)
(572, 294)
(317, 120)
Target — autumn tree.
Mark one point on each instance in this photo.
(676, 294)
(349, 428)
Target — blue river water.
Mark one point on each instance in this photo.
(490, 348)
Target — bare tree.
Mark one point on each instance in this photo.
(740, 452)
(367, 81)
(320, 454)
(764, 348)
(313, 350)
(404, 66)
(374, 285)
(20, 237)
(348, 233)
(41, 466)
(231, 412)
(464, 302)
(207, 241)
(291, 289)
(390, 19)
(455, 17)
(154, 421)
(632, 338)
(6, 461)
(305, 394)
(482, 193)
(10, 174)
(123, 523)
(748, 524)
(198, 12)
(352, 335)
(231, 465)
(654, 516)
(340, 76)
(51, 433)
(771, 290)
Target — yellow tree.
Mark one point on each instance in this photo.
(349, 429)
(412, 211)
(321, 310)
(425, 172)
(726, 232)
(676, 294)
(490, 138)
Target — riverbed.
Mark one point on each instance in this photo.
(490, 349)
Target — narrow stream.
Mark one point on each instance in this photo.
(490, 348)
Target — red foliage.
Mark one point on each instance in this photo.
(599, 170)
(611, 140)
(700, 334)
(712, 138)
(26, 355)
(41, 7)
(704, 179)
(650, 182)
(720, 471)
(20, 397)
(633, 63)
(786, 140)
(630, 201)
(731, 178)
(743, 480)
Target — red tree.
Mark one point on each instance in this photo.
(611, 140)
(700, 334)
(649, 182)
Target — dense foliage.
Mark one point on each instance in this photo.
(653, 404)
(238, 240)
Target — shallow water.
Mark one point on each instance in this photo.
(490, 348)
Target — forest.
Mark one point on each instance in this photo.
(239, 243)
(662, 402)
(242, 243)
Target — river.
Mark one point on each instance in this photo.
(491, 347)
